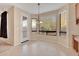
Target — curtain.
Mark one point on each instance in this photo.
(3, 28)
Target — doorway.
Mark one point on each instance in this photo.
(24, 28)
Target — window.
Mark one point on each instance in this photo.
(48, 25)
(63, 22)
(24, 26)
(34, 25)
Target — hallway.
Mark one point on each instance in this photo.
(38, 48)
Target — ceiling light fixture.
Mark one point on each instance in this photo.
(38, 11)
(38, 20)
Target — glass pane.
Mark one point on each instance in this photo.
(34, 25)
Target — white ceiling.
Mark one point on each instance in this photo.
(33, 7)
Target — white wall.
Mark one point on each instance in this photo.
(10, 26)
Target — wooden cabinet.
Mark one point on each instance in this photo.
(76, 43)
(77, 13)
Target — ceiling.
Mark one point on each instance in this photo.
(4, 7)
(33, 7)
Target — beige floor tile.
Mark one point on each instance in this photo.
(38, 48)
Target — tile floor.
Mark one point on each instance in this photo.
(37, 48)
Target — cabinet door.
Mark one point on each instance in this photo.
(77, 13)
(75, 45)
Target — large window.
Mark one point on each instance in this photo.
(48, 25)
